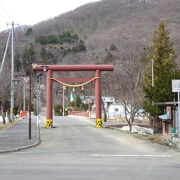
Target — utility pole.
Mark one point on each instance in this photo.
(24, 95)
(12, 73)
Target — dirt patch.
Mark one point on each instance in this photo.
(154, 138)
(4, 126)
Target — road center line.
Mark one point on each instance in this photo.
(131, 155)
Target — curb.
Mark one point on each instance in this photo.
(20, 148)
(24, 147)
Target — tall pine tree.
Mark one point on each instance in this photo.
(164, 60)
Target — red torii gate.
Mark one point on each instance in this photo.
(50, 68)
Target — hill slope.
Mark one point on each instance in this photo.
(126, 23)
(129, 24)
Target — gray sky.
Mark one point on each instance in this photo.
(31, 12)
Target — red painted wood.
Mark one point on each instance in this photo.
(79, 113)
(49, 101)
(82, 67)
(98, 95)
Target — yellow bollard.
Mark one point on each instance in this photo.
(99, 123)
(49, 123)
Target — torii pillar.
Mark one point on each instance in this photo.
(98, 99)
(49, 100)
(50, 68)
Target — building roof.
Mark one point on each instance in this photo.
(167, 103)
(164, 117)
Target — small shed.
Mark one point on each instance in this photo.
(168, 119)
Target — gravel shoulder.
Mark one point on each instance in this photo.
(154, 138)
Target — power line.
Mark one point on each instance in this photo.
(4, 56)
(5, 17)
(5, 11)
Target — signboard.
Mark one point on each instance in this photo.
(176, 85)
(23, 114)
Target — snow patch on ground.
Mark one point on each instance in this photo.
(139, 130)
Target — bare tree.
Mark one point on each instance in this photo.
(130, 84)
(5, 88)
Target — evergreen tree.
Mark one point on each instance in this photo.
(164, 63)
(78, 101)
(28, 57)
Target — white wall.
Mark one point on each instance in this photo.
(1, 119)
(116, 110)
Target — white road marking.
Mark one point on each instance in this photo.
(131, 155)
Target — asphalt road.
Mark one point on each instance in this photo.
(76, 150)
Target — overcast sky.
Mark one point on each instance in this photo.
(30, 12)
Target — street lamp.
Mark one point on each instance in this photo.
(38, 92)
(15, 83)
(25, 80)
(29, 107)
(64, 87)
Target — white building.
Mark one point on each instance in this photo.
(91, 99)
(116, 111)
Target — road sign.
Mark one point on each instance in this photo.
(176, 85)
